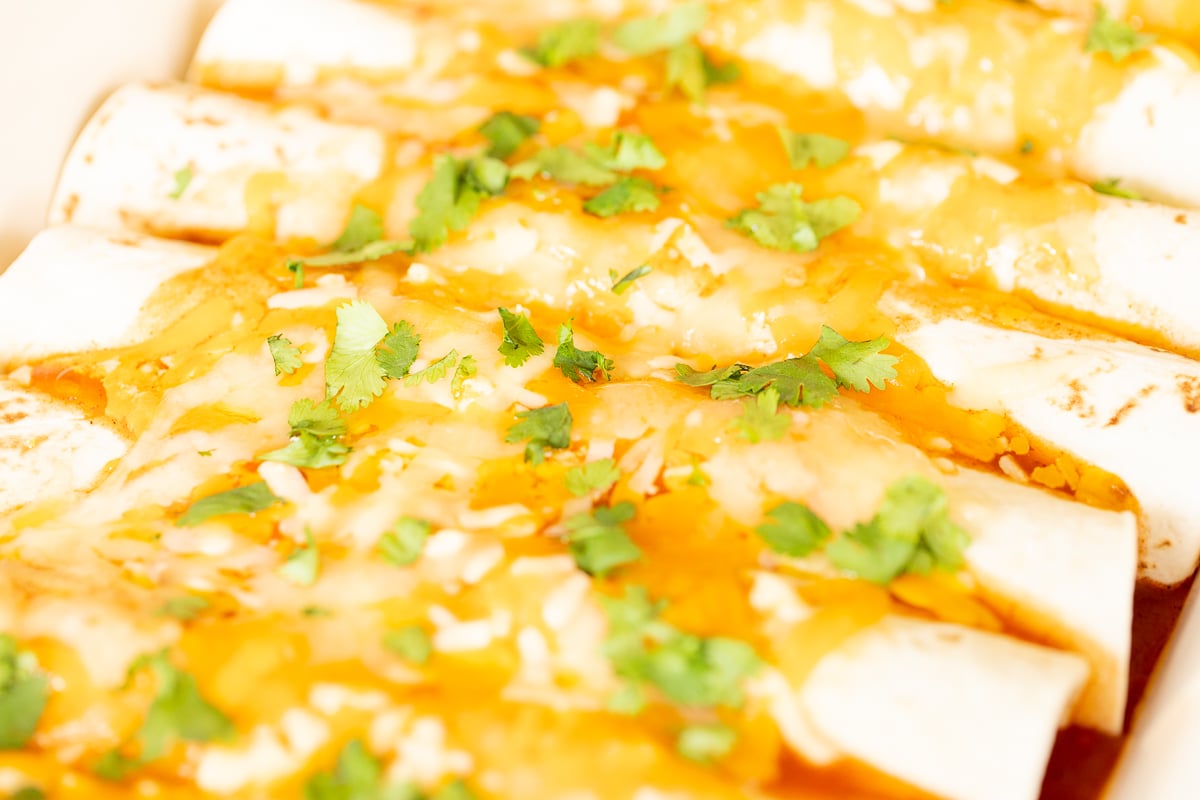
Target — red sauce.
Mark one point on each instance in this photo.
(1083, 760)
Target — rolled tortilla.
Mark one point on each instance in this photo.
(860, 701)
(48, 449)
(1127, 408)
(76, 289)
(185, 163)
(1127, 120)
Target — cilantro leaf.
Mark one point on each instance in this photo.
(319, 419)
(857, 365)
(594, 476)
(1112, 187)
(296, 267)
(304, 563)
(316, 428)
(368, 252)
(183, 179)
(1112, 36)
(285, 355)
(24, 690)
(647, 35)
(569, 41)
(783, 221)
(248, 499)
(357, 776)
(178, 712)
(507, 132)
(398, 350)
(565, 165)
(705, 743)
(542, 427)
(452, 196)
(579, 365)
(310, 452)
(627, 195)
(761, 420)
(689, 670)
(411, 643)
(521, 341)
(363, 228)
(686, 375)
(28, 793)
(184, 608)
(621, 286)
(597, 541)
(911, 532)
(795, 531)
(434, 372)
(353, 375)
(799, 381)
(455, 790)
(690, 70)
(466, 368)
(402, 545)
(809, 148)
(627, 151)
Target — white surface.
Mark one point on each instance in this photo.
(58, 59)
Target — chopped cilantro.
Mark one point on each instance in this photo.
(521, 341)
(24, 690)
(620, 287)
(855, 365)
(800, 381)
(402, 545)
(690, 70)
(368, 252)
(705, 743)
(184, 608)
(398, 350)
(316, 428)
(1112, 36)
(911, 532)
(542, 428)
(28, 793)
(783, 221)
(365, 354)
(436, 370)
(697, 478)
(285, 355)
(363, 228)
(597, 541)
(357, 775)
(466, 368)
(594, 476)
(296, 267)
(316, 611)
(452, 196)
(627, 151)
(794, 531)
(579, 365)
(626, 196)
(812, 148)
(1027, 147)
(248, 499)
(565, 165)
(761, 420)
(411, 643)
(647, 35)
(507, 132)
(1113, 188)
(183, 178)
(178, 713)
(304, 563)
(689, 670)
(353, 375)
(566, 42)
